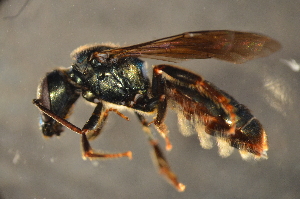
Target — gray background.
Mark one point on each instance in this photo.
(42, 37)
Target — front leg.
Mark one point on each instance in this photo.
(88, 152)
(96, 122)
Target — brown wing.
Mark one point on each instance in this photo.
(232, 46)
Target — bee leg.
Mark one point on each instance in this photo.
(158, 91)
(96, 121)
(88, 152)
(159, 158)
(94, 125)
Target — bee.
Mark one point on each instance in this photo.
(113, 78)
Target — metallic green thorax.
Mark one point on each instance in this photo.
(118, 82)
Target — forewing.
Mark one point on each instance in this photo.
(232, 46)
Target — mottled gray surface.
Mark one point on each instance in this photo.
(44, 34)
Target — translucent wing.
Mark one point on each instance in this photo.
(232, 46)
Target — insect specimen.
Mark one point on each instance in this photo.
(114, 77)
